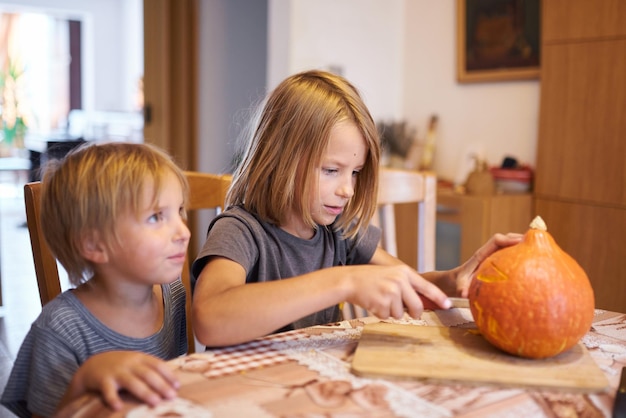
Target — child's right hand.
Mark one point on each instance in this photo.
(387, 291)
(148, 378)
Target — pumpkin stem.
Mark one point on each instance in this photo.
(539, 224)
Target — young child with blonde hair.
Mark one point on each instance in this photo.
(295, 240)
(113, 214)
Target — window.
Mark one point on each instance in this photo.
(35, 65)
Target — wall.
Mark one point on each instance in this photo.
(232, 75)
(132, 58)
(361, 38)
(495, 118)
(112, 50)
(232, 78)
(401, 54)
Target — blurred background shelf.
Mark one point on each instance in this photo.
(464, 224)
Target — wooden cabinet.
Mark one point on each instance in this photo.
(594, 236)
(580, 178)
(581, 152)
(572, 20)
(482, 216)
(479, 217)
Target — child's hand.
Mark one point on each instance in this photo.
(465, 272)
(146, 377)
(387, 291)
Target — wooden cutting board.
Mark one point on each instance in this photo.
(441, 354)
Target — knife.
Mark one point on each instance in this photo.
(619, 407)
(456, 303)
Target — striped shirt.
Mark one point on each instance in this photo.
(66, 334)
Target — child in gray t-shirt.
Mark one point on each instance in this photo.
(295, 239)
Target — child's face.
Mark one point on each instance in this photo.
(152, 245)
(338, 173)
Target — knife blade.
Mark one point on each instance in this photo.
(619, 407)
(456, 303)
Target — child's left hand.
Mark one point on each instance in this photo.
(465, 272)
(146, 377)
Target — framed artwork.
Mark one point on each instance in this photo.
(498, 40)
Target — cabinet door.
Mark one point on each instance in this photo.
(582, 19)
(482, 216)
(594, 237)
(581, 149)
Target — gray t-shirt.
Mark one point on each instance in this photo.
(268, 253)
(66, 334)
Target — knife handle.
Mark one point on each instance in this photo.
(428, 304)
(619, 407)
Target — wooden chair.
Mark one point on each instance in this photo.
(45, 264)
(206, 191)
(405, 186)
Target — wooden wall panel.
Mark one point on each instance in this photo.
(171, 84)
(170, 77)
(581, 153)
(582, 19)
(594, 237)
(580, 178)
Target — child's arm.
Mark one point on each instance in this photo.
(226, 310)
(148, 378)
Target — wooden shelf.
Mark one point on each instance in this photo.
(480, 217)
(580, 173)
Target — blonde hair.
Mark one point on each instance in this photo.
(290, 136)
(89, 189)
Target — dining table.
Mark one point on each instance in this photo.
(342, 370)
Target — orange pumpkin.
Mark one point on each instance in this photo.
(532, 299)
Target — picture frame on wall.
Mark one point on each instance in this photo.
(498, 40)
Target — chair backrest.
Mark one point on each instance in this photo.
(45, 264)
(206, 191)
(405, 186)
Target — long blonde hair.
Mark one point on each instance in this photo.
(89, 189)
(290, 135)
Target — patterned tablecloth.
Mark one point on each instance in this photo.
(306, 373)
